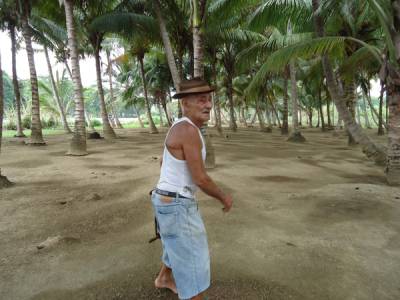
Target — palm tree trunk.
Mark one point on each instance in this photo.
(372, 150)
(253, 118)
(153, 128)
(296, 135)
(4, 182)
(216, 102)
(138, 115)
(380, 117)
(310, 117)
(268, 116)
(321, 112)
(89, 122)
(198, 67)
(285, 117)
(358, 113)
(17, 94)
(198, 49)
(78, 141)
(243, 115)
(364, 109)
(229, 91)
(113, 110)
(1, 105)
(260, 116)
(275, 111)
(164, 106)
(68, 68)
(169, 108)
(393, 95)
(107, 129)
(328, 112)
(374, 119)
(350, 96)
(55, 93)
(36, 126)
(160, 113)
(295, 110)
(167, 45)
(393, 157)
(374, 113)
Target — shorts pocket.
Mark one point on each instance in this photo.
(167, 218)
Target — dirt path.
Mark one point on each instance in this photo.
(311, 221)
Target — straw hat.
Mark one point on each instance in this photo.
(192, 87)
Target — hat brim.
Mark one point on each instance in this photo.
(183, 94)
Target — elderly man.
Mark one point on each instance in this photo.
(186, 261)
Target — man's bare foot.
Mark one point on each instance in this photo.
(165, 283)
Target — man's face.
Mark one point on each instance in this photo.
(198, 106)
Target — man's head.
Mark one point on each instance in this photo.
(195, 99)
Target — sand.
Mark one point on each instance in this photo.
(310, 221)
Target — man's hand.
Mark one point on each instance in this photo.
(228, 201)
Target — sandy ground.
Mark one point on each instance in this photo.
(310, 221)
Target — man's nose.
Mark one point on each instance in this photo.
(209, 103)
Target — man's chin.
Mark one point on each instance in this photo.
(206, 117)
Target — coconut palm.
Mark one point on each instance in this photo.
(36, 137)
(89, 11)
(9, 20)
(56, 93)
(54, 37)
(78, 141)
(387, 13)
(1, 110)
(110, 80)
(276, 10)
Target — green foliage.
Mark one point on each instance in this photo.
(8, 90)
(26, 122)
(95, 123)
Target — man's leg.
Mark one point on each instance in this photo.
(166, 280)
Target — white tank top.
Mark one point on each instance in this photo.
(175, 174)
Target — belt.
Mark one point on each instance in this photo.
(169, 194)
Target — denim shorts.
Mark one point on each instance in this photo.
(184, 243)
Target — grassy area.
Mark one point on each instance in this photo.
(27, 132)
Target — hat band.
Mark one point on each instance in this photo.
(196, 90)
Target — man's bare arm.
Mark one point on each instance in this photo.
(192, 151)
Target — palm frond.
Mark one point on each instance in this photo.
(126, 24)
(53, 31)
(279, 12)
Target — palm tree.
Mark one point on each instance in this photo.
(56, 94)
(309, 48)
(112, 106)
(167, 45)
(36, 137)
(376, 152)
(87, 12)
(159, 78)
(139, 51)
(199, 10)
(54, 37)
(389, 18)
(17, 93)
(78, 142)
(9, 20)
(4, 182)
